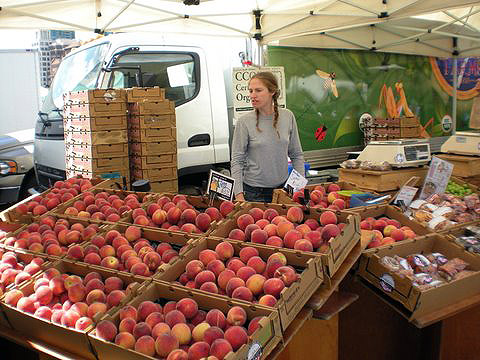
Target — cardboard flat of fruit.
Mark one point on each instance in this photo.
(415, 301)
(152, 134)
(262, 324)
(216, 260)
(97, 151)
(152, 107)
(153, 161)
(145, 93)
(155, 174)
(95, 109)
(105, 137)
(170, 186)
(96, 165)
(105, 96)
(97, 123)
(152, 121)
(153, 148)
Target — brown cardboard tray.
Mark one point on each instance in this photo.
(96, 164)
(95, 109)
(145, 93)
(98, 151)
(98, 123)
(169, 186)
(397, 121)
(153, 161)
(105, 96)
(152, 134)
(152, 107)
(153, 148)
(264, 339)
(70, 339)
(381, 181)
(419, 303)
(337, 249)
(96, 137)
(104, 174)
(292, 298)
(155, 174)
(152, 121)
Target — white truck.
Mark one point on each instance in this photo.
(196, 77)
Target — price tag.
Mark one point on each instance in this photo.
(406, 194)
(437, 178)
(220, 186)
(296, 181)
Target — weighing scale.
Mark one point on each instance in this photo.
(399, 153)
(463, 142)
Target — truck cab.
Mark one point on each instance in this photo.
(193, 77)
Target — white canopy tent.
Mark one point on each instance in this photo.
(424, 27)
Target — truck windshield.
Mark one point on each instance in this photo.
(78, 72)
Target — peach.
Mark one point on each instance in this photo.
(75, 252)
(259, 236)
(141, 220)
(256, 213)
(199, 331)
(188, 216)
(153, 260)
(207, 255)
(387, 240)
(145, 345)
(179, 354)
(12, 297)
(234, 264)
(127, 325)
(283, 228)
(194, 267)
(262, 223)
(213, 333)
(41, 282)
(96, 308)
(274, 241)
(257, 264)
(315, 238)
(110, 262)
(80, 308)
(115, 298)
(245, 272)
(174, 317)
(133, 233)
(328, 217)
(270, 229)
(43, 312)
(70, 318)
(330, 231)
(225, 277)
(254, 325)
(182, 332)
(244, 220)
(145, 308)
(295, 214)
(173, 215)
(267, 300)
(220, 348)
(187, 307)
(379, 225)
(169, 306)
(226, 207)
(366, 225)
(21, 277)
(216, 266)
(154, 318)
(303, 245)
(125, 340)
(247, 252)
(387, 230)
(224, 250)
(199, 350)
(98, 241)
(291, 237)
(236, 234)
(273, 287)
(277, 220)
(93, 259)
(162, 247)
(44, 295)
(279, 257)
(287, 274)
(106, 330)
(340, 203)
(203, 221)
(249, 229)
(409, 234)
(160, 328)
(236, 316)
(303, 228)
(397, 234)
(236, 336)
(214, 213)
(165, 344)
(141, 329)
(242, 293)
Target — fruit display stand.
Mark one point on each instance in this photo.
(417, 305)
(261, 341)
(335, 250)
(380, 181)
(63, 336)
(291, 299)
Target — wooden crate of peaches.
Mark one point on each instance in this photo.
(330, 233)
(169, 322)
(182, 213)
(64, 302)
(61, 192)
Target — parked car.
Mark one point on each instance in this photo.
(17, 174)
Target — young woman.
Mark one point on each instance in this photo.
(262, 142)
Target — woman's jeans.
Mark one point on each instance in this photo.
(257, 194)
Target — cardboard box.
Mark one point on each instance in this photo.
(105, 151)
(292, 299)
(155, 174)
(95, 109)
(463, 165)
(104, 174)
(416, 303)
(164, 186)
(264, 339)
(75, 341)
(381, 181)
(96, 137)
(152, 134)
(153, 148)
(152, 107)
(145, 93)
(152, 121)
(153, 161)
(397, 121)
(103, 96)
(338, 248)
(98, 123)
(96, 164)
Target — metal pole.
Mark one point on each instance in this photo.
(455, 85)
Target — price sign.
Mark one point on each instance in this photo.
(437, 178)
(296, 181)
(220, 185)
(406, 194)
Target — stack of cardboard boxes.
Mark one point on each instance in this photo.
(152, 135)
(379, 129)
(95, 129)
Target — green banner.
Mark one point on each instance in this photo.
(326, 121)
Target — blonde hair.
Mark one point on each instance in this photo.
(270, 82)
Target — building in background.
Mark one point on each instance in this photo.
(52, 46)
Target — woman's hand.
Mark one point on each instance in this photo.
(239, 197)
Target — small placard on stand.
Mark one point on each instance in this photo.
(220, 186)
(437, 177)
(295, 181)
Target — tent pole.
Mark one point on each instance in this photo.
(454, 92)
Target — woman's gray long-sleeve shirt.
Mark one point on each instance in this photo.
(261, 158)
